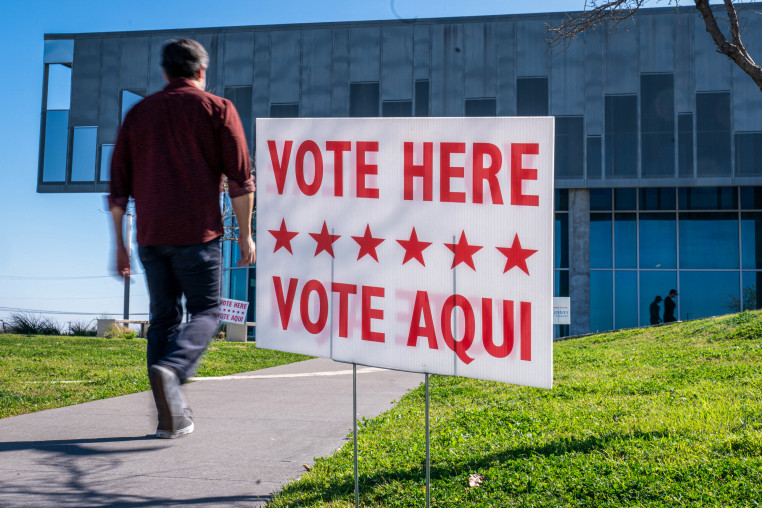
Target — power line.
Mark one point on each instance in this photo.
(59, 312)
(42, 277)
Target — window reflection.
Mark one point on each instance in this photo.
(657, 125)
(748, 153)
(129, 99)
(621, 112)
(751, 281)
(657, 198)
(685, 144)
(422, 97)
(594, 157)
(657, 240)
(238, 283)
(600, 200)
(561, 240)
(397, 108)
(570, 134)
(84, 147)
(704, 294)
(751, 240)
(713, 133)
(56, 145)
(532, 96)
(600, 240)
(363, 99)
(626, 301)
(106, 152)
(59, 87)
(709, 240)
(653, 283)
(601, 297)
(625, 231)
(625, 199)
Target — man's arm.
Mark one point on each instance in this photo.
(242, 208)
(122, 256)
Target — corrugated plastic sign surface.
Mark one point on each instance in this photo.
(418, 244)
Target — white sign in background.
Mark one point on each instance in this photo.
(418, 244)
(233, 311)
(561, 310)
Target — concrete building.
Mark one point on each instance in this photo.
(658, 136)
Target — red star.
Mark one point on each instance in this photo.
(368, 244)
(283, 237)
(463, 251)
(413, 248)
(516, 255)
(324, 241)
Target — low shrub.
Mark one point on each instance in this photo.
(120, 332)
(34, 324)
(81, 329)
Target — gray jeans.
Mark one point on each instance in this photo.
(171, 273)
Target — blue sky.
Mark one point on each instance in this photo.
(55, 248)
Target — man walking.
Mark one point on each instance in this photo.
(669, 307)
(170, 155)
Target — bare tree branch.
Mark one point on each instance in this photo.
(734, 50)
(615, 12)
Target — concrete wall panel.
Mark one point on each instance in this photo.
(317, 48)
(285, 66)
(365, 54)
(397, 63)
(481, 59)
(238, 66)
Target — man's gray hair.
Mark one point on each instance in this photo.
(183, 58)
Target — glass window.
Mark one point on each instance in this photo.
(84, 149)
(713, 133)
(562, 199)
(621, 135)
(748, 153)
(751, 240)
(709, 240)
(59, 87)
(481, 107)
(653, 283)
(284, 110)
(561, 284)
(655, 198)
(56, 146)
(600, 240)
(657, 125)
(238, 282)
(751, 281)
(600, 200)
(707, 198)
(422, 97)
(561, 240)
(625, 199)
(625, 240)
(363, 99)
(601, 301)
(658, 246)
(397, 108)
(685, 144)
(704, 294)
(129, 99)
(751, 198)
(626, 300)
(240, 96)
(570, 135)
(226, 283)
(532, 96)
(106, 152)
(594, 157)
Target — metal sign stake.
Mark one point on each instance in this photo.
(428, 454)
(354, 422)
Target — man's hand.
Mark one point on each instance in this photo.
(248, 250)
(123, 262)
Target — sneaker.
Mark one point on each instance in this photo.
(184, 426)
(174, 413)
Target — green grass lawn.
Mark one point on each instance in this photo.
(43, 372)
(666, 416)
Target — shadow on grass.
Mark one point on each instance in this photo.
(341, 488)
(85, 472)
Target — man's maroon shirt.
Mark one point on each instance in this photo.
(171, 154)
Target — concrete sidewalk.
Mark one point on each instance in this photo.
(254, 433)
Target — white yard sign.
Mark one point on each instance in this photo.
(233, 311)
(418, 244)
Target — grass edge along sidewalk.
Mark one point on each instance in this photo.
(659, 416)
(45, 372)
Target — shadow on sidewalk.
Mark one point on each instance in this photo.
(85, 476)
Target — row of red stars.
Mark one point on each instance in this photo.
(463, 252)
